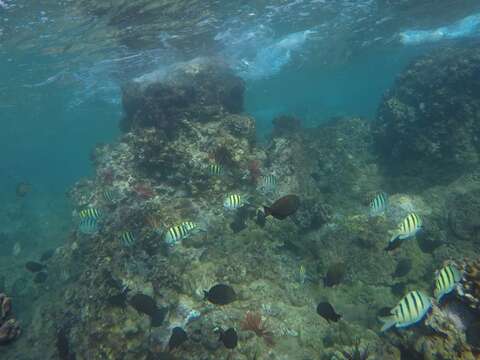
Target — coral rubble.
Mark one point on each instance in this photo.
(9, 327)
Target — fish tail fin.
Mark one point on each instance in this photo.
(393, 243)
(388, 322)
(205, 294)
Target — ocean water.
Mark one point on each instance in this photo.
(64, 66)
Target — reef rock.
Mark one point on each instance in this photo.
(196, 90)
(428, 123)
(464, 214)
(9, 327)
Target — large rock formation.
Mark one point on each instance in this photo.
(428, 125)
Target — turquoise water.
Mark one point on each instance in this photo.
(63, 66)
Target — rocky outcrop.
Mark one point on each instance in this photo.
(428, 124)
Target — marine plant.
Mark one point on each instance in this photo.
(253, 321)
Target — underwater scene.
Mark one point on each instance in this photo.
(240, 180)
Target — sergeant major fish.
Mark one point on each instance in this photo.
(446, 280)
(234, 201)
(378, 205)
(90, 213)
(411, 309)
(268, 183)
(127, 238)
(215, 169)
(408, 228)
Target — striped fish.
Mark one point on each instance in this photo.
(378, 205)
(109, 196)
(215, 169)
(175, 234)
(233, 201)
(446, 280)
(268, 183)
(127, 238)
(88, 226)
(409, 227)
(90, 213)
(411, 309)
(189, 226)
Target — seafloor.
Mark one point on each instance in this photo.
(422, 150)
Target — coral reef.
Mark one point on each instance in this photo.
(428, 122)
(9, 327)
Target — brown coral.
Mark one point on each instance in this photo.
(253, 322)
(471, 283)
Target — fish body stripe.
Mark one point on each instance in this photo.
(92, 213)
(234, 201)
(215, 169)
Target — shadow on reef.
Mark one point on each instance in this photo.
(173, 210)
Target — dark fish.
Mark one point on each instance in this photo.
(23, 189)
(34, 266)
(473, 334)
(229, 338)
(326, 310)
(260, 218)
(335, 274)
(47, 254)
(147, 305)
(394, 244)
(220, 294)
(40, 277)
(403, 268)
(178, 337)
(283, 207)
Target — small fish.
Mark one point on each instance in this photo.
(175, 234)
(268, 183)
(379, 204)
(229, 338)
(283, 207)
(23, 189)
(302, 274)
(190, 227)
(178, 337)
(408, 228)
(127, 238)
(109, 196)
(335, 274)
(88, 226)
(220, 294)
(234, 201)
(34, 266)
(411, 309)
(446, 281)
(147, 305)
(215, 169)
(90, 213)
(326, 310)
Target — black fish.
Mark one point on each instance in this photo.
(335, 274)
(178, 337)
(40, 277)
(392, 245)
(34, 266)
(47, 254)
(147, 305)
(118, 300)
(229, 338)
(403, 268)
(325, 310)
(220, 294)
(283, 207)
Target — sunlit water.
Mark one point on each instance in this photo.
(62, 69)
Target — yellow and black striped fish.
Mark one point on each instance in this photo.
(409, 227)
(88, 226)
(109, 196)
(411, 309)
(189, 226)
(90, 213)
(268, 183)
(447, 278)
(215, 169)
(175, 234)
(233, 201)
(127, 238)
(378, 205)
